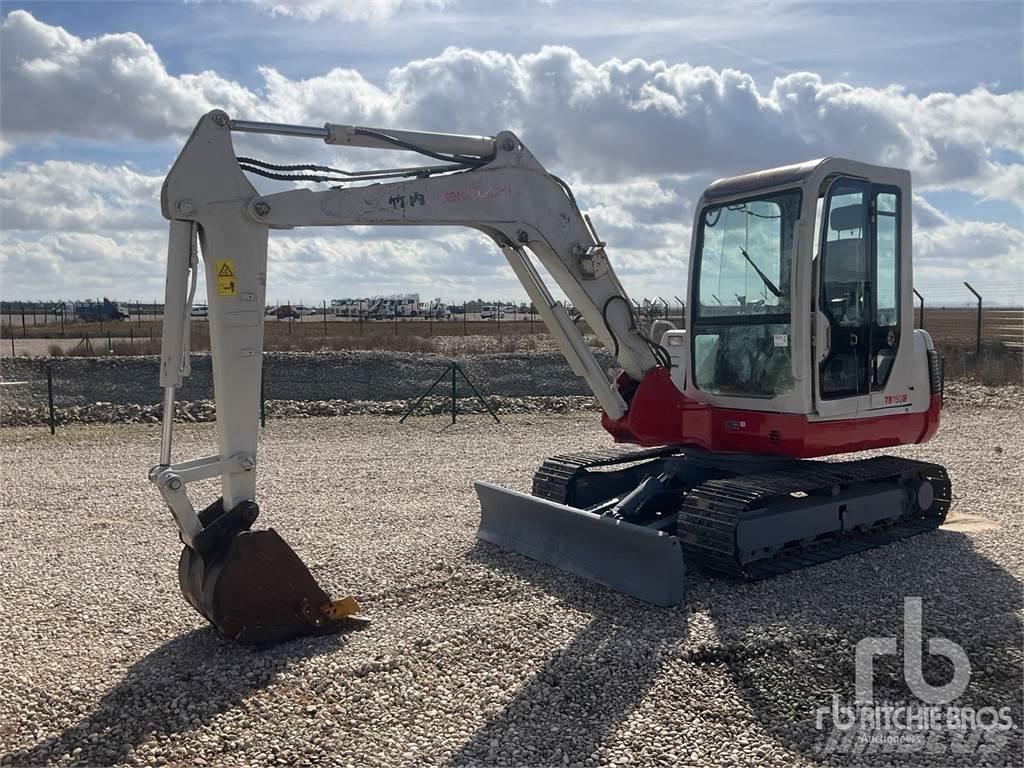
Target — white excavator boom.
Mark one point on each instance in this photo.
(491, 184)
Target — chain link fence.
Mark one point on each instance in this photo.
(34, 391)
(80, 329)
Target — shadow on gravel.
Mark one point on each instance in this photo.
(788, 644)
(809, 635)
(171, 690)
(588, 687)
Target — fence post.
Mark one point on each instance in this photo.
(465, 319)
(921, 299)
(977, 346)
(453, 392)
(138, 313)
(110, 343)
(24, 331)
(396, 319)
(325, 318)
(62, 321)
(360, 323)
(12, 346)
(49, 398)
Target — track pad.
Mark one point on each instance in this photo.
(256, 590)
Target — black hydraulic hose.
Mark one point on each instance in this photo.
(607, 325)
(661, 354)
(261, 170)
(455, 163)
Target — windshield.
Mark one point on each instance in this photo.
(746, 252)
(742, 328)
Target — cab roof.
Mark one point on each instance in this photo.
(796, 174)
(734, 186)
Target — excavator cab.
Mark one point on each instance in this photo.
(801, 295)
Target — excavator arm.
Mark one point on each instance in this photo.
(233, 575)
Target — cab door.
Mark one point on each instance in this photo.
(843, 302)
(857, 332)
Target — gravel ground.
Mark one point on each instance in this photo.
(474, 656)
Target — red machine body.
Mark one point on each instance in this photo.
(659, 414)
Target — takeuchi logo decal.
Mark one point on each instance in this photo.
(476, 193)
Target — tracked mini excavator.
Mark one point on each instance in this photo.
(799, 344)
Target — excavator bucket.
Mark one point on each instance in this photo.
(639, 561)
(254, 588)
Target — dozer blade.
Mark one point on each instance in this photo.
(641, 562)
(255, 589)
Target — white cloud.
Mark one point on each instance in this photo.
(50, 265)
(101, 88)
(373, 11)
(129, 265)
(948, 251)
(637, 139)
(604, 121)
(78, 197)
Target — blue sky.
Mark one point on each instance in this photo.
(97, 98)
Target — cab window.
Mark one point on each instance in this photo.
(742, 324)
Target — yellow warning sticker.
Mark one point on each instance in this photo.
(226, 282)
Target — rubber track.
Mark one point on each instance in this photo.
(712, 511)
(554, 478)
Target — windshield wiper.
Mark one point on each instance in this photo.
(768, 283)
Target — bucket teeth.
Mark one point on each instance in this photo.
(254, 588)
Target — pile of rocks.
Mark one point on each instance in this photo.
(205, 410)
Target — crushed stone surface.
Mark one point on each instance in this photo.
(474, 656)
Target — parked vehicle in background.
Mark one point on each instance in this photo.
(400, 304)
(306, 311)
(492, 313)
(435, 309)
(200, 311)
(284, 312)
(99, 310)
(350, 307)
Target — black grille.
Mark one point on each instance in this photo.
(934, 372)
